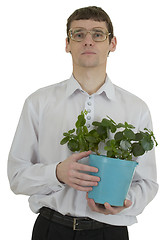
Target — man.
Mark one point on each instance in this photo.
(58, 181)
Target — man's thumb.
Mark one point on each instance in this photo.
(78, 156)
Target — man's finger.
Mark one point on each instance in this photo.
(83, 183)
(108, 209)
(78, 156)
(86, 177)
(127, 203)
(80, 188)
(86, 168)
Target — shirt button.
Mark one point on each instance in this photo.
(88, 125)
(89, 110)
(88, 117)
(89, 103)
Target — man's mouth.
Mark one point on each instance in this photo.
(88, 53)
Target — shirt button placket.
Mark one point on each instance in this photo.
(89, 106)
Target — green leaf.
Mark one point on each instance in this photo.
(73, 145)
(120, 125)
(118, 153)
(108, 124)
(129, 157)
(65, 134)
(125, 145)
(147, 144)
(119, 136)
(107, 148)
(91, 139)
(127, 125)
(64, 140)
(102, 131)
(129, 134)
(113, 128)
(105, 123)
(85, 112)
(81, 121)
(152, 135)
(83, 145)
(112, 120)
(93, 147)
(93, 133)
(111, 143)
(85, 130)
(138, 136)
(111, 154)
(71, 131)
(79, 131)
(137, 149)
(96, 124)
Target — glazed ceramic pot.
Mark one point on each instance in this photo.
(116, 176)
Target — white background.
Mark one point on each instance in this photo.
(32, 55)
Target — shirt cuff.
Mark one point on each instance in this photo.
(54, 184)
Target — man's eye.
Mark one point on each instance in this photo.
(78, 35)
(98, 35)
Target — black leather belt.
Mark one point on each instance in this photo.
(76, 223)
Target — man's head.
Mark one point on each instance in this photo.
(90, 36)
(93, 13)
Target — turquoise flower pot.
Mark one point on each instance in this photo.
(116, 176)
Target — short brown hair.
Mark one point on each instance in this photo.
(94, 13)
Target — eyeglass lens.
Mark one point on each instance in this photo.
(79, 34)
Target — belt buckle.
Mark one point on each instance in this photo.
(75, 224)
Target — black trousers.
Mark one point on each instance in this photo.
(45, 229)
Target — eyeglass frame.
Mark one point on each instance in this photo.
(107, 34)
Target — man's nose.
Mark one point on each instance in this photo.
(88, 41)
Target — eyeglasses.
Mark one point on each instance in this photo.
(79, 34)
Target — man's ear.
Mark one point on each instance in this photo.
(68, 48)
(113, 44)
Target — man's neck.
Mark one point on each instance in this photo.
(90, 79)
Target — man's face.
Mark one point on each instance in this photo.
(89, 53)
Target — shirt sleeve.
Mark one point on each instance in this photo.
(27, 175)
(144, 186)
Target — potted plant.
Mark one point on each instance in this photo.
(117, 167)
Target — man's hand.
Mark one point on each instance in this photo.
(106, 208)
(69, 173)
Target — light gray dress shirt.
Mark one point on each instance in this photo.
(36, 149)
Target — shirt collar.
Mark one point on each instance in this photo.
(108, 88)
(72, 86)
